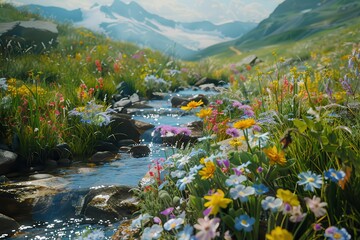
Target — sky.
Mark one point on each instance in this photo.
(216, 11)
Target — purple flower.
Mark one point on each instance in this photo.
(185, 131)
(167, 211)
(225, 163)
(233, 132)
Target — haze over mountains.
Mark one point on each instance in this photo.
(131, 22)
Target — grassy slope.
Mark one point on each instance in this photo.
(289, 25)
(299, 49)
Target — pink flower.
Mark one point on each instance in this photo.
(296, 214)
(207, 228)
(316, 206)
(167, 211)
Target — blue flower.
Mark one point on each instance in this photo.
(234, 180)
(186, 234)
(242, 192)
(244, 222)
(152, 233)
(173, 223)
(177, 174)
(181, 183)
(310, 180)
(333, 233)
(271, 203)
(260, 189)
(3, 84)
(334, 176)
(195, 169)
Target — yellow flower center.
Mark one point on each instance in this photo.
(337, 236)
(311, 179)
(243, 222)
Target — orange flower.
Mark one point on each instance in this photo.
(244, 124)
(191, 105)
(275, 156)
(207, 171)
(206, 112)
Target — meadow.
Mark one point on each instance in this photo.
(280, 156)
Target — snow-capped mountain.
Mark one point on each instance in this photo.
(130, 22)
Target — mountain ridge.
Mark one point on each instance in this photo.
(130, 22)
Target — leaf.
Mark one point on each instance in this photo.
(301, 126)
(324, 140)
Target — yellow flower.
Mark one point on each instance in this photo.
(205, 112)
(279, 234)
(217, 201)
(207, 171)
(288, 197)
(244, 124)
(191, 105)
(275, 156)
(236, 142)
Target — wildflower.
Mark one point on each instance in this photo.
(178, 174)
(186, 233)
(279, 234)
(334, 176)
(181, 183)
(195, 169)
(234, 180)
(259, 139)
(271, 203)
(152, 233)
(242, 192)
(225, 163)
(167, 211)
(227, 235)
(296, 214)
(233, 132)
(208, 171)
(173, 223)
(205, 112)
(235, 142)
(244, 222)
(244, 124)
(287, 197)
(139, 221)
(3, 84)
(240, 170)
(95, 234)
(310, 180)
(207, 228)
(333, 233)
(191, 105)
(275, 156)
(316, 206)
(260, 189)
(259, 170)
(217, 201)
(317, 227)
(183, 161)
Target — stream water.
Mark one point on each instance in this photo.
(60, 221)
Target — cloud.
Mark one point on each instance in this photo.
(184, 10)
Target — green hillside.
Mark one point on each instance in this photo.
(292, 21)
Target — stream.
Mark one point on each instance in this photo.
(59, 221)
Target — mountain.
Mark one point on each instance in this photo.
(131, 22)
(292, 20)
(297, 19)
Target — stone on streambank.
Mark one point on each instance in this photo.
(8, 225)
(7, 161)
(19, 200)
(127, 128)
(138, 151)
(105, 156)
(111, 203)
